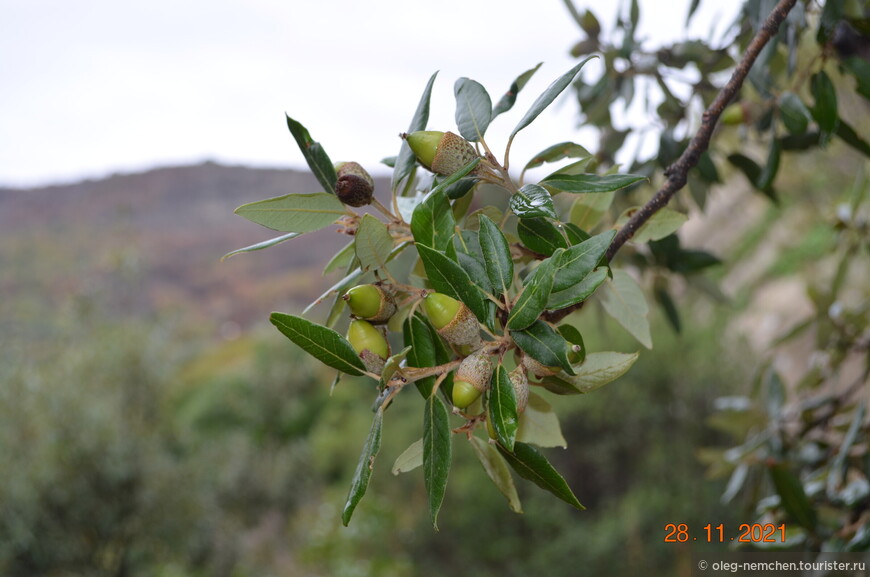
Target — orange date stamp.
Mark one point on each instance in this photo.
(746, 533)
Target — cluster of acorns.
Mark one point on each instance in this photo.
(373, 304)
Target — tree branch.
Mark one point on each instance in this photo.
(677, 173)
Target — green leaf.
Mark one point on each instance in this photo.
(793, 497)
(832, 13)
(573, 336)
(506, 102)
(410, 459)
(768, 173)
(590, 183)
(624, 301)
(261, 245)
(540, 235)
(533, 201)
(794, 114)
(825, 109)
(496, 255)
(746, 165)
(364, 468)
(587, 210)
(497, 470)
(449, 278)
(418, 335)
(373, 243)
(473, 109)
(575, 234)
(596, 371)
(539, 424)
(557, 152)
(663, 223)
(850, 137)
(342, 258)
(530, 464)
(406, 162)
(581, 259)
(579, 292)
(860, 69)
(692, 7)
(392, 365)
(436, 453)
(533, 298)
(480, 281)
(839, 468)
(317, 159)
(321, 342)
(503, 408)
(294, 212)
(432, 223)
(669, 307)
(460, 189)
(541, 342)
(547, 97)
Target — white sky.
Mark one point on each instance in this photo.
(91, 87)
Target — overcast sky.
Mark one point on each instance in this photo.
(92, 87)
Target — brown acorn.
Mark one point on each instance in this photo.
(471, 379)
(453, 320)
(370, 302)
(355, 186)
(441, 152)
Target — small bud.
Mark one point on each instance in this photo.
(471, 379)
(369, 343)
(441, 152)
(355, 186)
(452, 319)
(370, 302)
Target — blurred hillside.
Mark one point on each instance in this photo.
(153, 241)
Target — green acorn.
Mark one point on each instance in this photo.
(471, 379)
(370, 302)
(453, 320)
(441, 152)
(733, 114)
(369, 343)
(520, 381)
(355, 186)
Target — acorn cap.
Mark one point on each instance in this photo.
(369, 343)
(441, 152)
(453, 320)
(370, 302)
(353, 168)
(520, 381)
(471, 379)
(355, 186)
(539, 369)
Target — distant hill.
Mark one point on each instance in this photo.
(152, 242)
